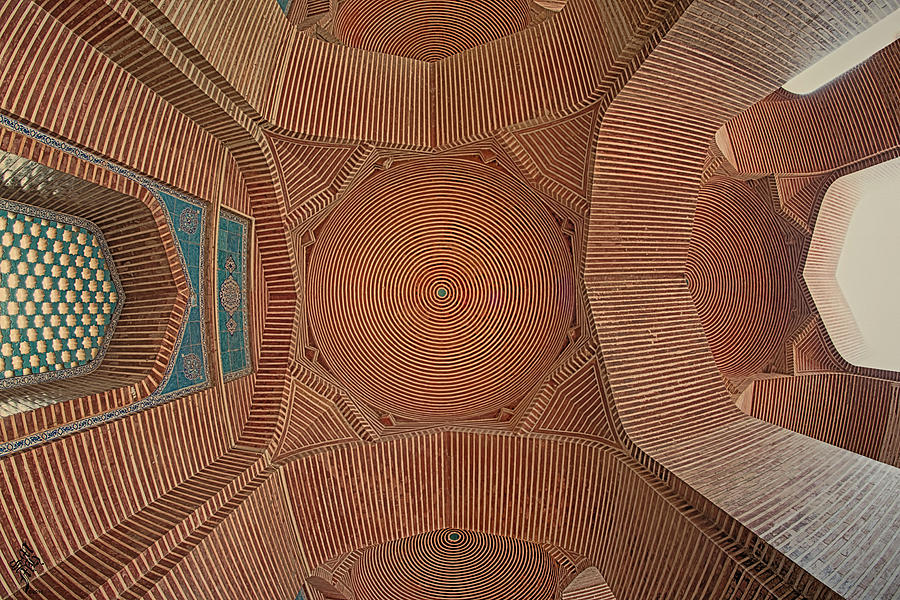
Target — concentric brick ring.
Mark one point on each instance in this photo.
(440, 290)
(455, 565)
(428, 30)
(741, 277)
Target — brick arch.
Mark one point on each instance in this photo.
(672, 399)
(145, 462)
(808, 142)
(156, 292)
(848, 120)
(825, 396)
(582, 498)
(574, 58)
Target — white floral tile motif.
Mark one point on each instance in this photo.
(231, 271)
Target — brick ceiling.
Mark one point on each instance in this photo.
(505, 300)
(427, 30)
(440, 290)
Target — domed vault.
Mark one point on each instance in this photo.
(440, 290)
(477, 301)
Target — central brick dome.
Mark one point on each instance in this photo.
(440, 290)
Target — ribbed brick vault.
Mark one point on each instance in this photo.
(506, 301)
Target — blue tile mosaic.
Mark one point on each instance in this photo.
(60, 295)
(193, 258)
(188, 372)
(231, 283)
(300, 595)
(285, 5)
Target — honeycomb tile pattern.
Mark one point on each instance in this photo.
(149, 326)
(59, 295)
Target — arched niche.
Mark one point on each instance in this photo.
(139, 348)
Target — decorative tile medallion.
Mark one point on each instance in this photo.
(60, 295)
(191, 247)
(231, 272)
(188, 373)
(188, 220)
(192, 365)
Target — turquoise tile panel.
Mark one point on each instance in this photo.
(192, 327)
(188, 372)
(60, 295)
(231, 286)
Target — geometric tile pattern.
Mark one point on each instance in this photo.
(231, 286)
(168, 201)
(59, 295)
(189, 371)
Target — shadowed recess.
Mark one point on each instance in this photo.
(440, 290)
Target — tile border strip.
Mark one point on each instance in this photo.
(154, 399)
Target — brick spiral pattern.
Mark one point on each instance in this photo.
(440, 290)
(452, 564)
(741, 276)
(180, 91)
(427, 30)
